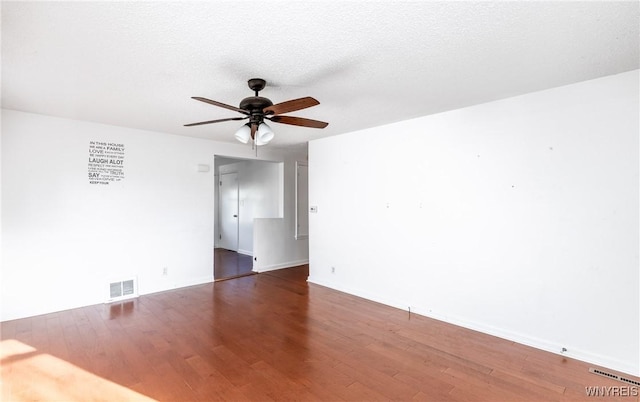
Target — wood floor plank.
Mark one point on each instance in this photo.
(273, 336)
(528, 382)
(358, 391)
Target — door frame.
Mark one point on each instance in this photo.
(301, 214)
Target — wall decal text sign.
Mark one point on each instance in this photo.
(106, 162)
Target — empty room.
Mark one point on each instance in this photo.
(320, 201)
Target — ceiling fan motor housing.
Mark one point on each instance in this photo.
(255, 106)
(255, 103)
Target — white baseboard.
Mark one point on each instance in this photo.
(245, 252)
(542, 344)
(273, 267)
(180, 284)
(194, 281)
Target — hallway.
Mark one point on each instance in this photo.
(230, 264)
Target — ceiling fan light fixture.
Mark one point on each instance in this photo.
(243, 134)
(264, 134)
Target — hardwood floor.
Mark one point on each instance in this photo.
(272, 336)
(230, 264)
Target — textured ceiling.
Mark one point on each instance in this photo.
(136, 64)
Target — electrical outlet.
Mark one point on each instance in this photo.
(333, 270)
(165, 271)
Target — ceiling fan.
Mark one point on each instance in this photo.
(257, 109)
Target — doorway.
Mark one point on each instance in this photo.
(228, 263)
(246, 190)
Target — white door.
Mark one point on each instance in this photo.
(228, 211)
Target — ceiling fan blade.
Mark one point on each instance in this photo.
(299, 121)
(215, 121)
(291, 106)
(254, 128)
(220, 104)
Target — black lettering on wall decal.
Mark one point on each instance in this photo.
(106, 162)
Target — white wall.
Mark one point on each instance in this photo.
(518, 218)
(63, 239)
(273, 247)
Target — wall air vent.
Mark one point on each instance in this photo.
(614, 376)
(122, 290)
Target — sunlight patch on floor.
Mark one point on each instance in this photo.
(28, 375)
